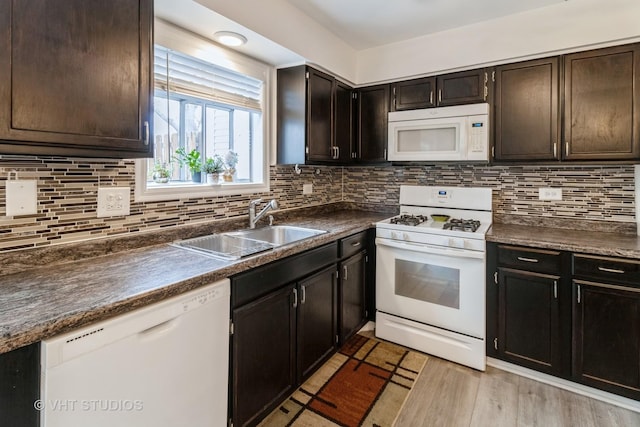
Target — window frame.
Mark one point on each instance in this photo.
(176, 38)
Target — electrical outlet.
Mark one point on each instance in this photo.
(113, 201)
(307, 189)
(550, 193)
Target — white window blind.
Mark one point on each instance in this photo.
(192, 76)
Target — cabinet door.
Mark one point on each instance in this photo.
(76, 77)
(317, 320)
(319, 116)
(263, 357)
(466, 87)
(528, 326)
(20, 386)
(602, 104)
(373, 109)
(526, 111)
(352, 295)
(606, 326)
(344, 133)
(412, 94)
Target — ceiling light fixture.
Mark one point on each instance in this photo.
(229, 38)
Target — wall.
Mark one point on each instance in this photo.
(599, 193)
(571, 25)
(67, 190)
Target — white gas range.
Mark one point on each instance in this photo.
(430, 272)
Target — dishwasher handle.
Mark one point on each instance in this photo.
(158, 330)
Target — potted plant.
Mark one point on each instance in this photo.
(230, 162)
(213, 166)
(192, 160)
(161, 173)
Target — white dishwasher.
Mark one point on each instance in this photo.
(161, 365)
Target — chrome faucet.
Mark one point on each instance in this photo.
(253, 218)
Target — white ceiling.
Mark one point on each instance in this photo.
(361, 24)
(201, 20)
(365, 24)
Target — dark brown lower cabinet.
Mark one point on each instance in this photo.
(284, 326)
(606, 344)
(317, 321)
(20, 387)
(353, 314)
(263, 353)
(529, 328)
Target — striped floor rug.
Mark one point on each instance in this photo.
(365, 384)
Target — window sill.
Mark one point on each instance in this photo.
(151, 192)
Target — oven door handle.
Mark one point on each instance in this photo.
(430, 249)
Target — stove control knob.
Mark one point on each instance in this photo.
(405, 236)
(456, 243)
(395, 235)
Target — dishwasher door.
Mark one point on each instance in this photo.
(162, 365)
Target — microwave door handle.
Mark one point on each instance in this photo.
(430, 249)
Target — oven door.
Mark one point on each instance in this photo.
(438, 286)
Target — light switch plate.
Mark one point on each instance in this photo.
(113, 201)
(22, 197)
(307, 188)
(550, 193)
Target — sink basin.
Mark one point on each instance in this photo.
(225, 246)
(237, 244)
(277, 234)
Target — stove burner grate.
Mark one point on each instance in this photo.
(455, 224)
(406, 219)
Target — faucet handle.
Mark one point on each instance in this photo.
(255, 202)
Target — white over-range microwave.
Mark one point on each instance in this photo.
(458, 133)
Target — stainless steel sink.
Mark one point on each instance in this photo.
(225, 246)
(278, 234)
(238, 244)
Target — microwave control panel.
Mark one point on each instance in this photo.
(478, 134)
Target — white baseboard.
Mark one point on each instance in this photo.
(594, 393)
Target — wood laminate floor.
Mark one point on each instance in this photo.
(448, 394)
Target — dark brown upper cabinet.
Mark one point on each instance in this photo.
(526, 104)
(372, 117)
(314, 118)
(413, 94)
(602, 104)
(320, 104)
(344, 123)
(466, 87)
(76, 77)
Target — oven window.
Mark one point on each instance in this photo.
(430, 283)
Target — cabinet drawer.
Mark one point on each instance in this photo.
(530, 259)
(353, 244)
(246, 287)
(611, 269)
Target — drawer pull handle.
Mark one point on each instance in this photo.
(611, 270)
(355, 244)
(521, 258)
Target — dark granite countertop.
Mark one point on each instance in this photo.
(585, 240)
(75, 289)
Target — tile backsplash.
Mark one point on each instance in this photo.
(67, 193)
(604, 193)
(67, 190)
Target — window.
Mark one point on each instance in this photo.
(209, 101)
